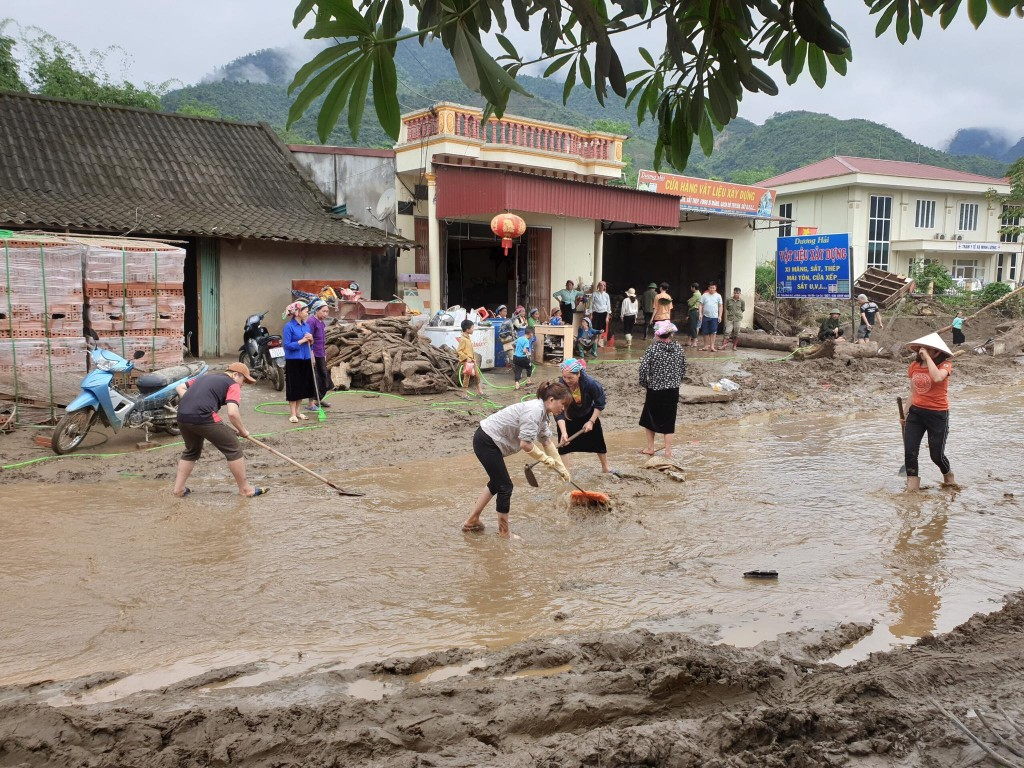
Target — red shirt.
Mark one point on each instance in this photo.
(925, 393)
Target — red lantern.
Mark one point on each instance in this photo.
(507, 226)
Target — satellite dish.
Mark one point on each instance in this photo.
(386, 204)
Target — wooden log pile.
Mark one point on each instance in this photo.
(386, 355)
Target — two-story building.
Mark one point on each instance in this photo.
(897, 213)
(456, 171)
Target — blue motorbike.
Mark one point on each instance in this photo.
(154, 407)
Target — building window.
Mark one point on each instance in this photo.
(786, 212)
(968, 217)
(879, 229)
(925, 218)
(968, 269)
(1009, 221)
(1006, 268)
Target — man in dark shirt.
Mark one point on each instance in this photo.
(199, 420)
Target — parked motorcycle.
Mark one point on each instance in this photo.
(155, 405)
(262, 351)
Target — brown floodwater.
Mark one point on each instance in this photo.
(117, 576)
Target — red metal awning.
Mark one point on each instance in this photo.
(468, 191)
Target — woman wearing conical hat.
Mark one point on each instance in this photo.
(929, 407)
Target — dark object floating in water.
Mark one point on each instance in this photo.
(761, 575)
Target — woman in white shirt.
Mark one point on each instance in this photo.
(523, 426)
(600, 308)
(627, 313)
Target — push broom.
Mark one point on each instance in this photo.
(579, 496)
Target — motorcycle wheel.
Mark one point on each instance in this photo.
(172, 429)
(71, 430)
(276, 375)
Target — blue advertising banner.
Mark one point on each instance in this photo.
(813, 267)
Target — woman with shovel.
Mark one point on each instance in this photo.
(518, 427)
(583, 414)
(929, 407)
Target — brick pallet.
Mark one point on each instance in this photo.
(135, 299)
(42, 352)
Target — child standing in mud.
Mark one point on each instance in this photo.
(518, 427)
(467, 358)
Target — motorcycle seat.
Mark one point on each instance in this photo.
(149, 383)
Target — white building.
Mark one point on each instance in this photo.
(897, 213)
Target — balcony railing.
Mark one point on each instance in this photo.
(513, 133)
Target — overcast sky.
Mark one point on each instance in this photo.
(957, 78)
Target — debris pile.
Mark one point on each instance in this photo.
(386, 355)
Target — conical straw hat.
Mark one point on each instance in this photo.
(932, 341)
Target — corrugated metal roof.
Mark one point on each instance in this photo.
(80, 165)
(467, 191)
(832, 167)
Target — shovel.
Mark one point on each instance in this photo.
(293, 462)
(903, 429)
(528, 469)
(320, 416)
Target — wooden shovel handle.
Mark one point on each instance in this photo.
(899, 404)
(306, 469)
(571, 438)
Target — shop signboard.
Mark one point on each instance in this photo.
(813, 267)
(708, 196)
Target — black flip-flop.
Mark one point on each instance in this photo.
(185, 493)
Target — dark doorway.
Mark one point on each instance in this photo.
(635, 261)
(384, 275)
(477, 271)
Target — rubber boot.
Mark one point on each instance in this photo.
(629, 340)
(948, 480)
(913, 483)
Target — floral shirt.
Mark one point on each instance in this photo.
(663, 366)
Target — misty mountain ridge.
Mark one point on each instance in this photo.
(253, 88)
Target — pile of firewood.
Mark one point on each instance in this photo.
(386, 355)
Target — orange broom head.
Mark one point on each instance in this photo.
(590, 499)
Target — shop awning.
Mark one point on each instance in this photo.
(471, 191)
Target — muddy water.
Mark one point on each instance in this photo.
(121, 577)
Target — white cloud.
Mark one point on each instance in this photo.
(928, 89)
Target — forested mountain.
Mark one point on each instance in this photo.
(254, 88)
(986, 142)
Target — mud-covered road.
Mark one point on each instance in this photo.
(306, 629)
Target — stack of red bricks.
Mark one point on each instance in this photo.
(135, 299)
(42, 351)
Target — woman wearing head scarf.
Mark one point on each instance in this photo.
(518, 427)
(533, 318)
(929, 408)
(298, 371)
(318, 311)
(519, 322)
(585, 341)
(661, 372)
(583, 413)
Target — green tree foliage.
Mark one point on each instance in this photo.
(10, 77)
(764, 280)
(934, 274)
(710, 55)
(1012, 213)
(194, 108)
(59, 69)
(753, 176)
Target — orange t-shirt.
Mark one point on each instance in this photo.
(925, 393)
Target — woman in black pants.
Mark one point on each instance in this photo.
(521, 426)
(929, 408)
